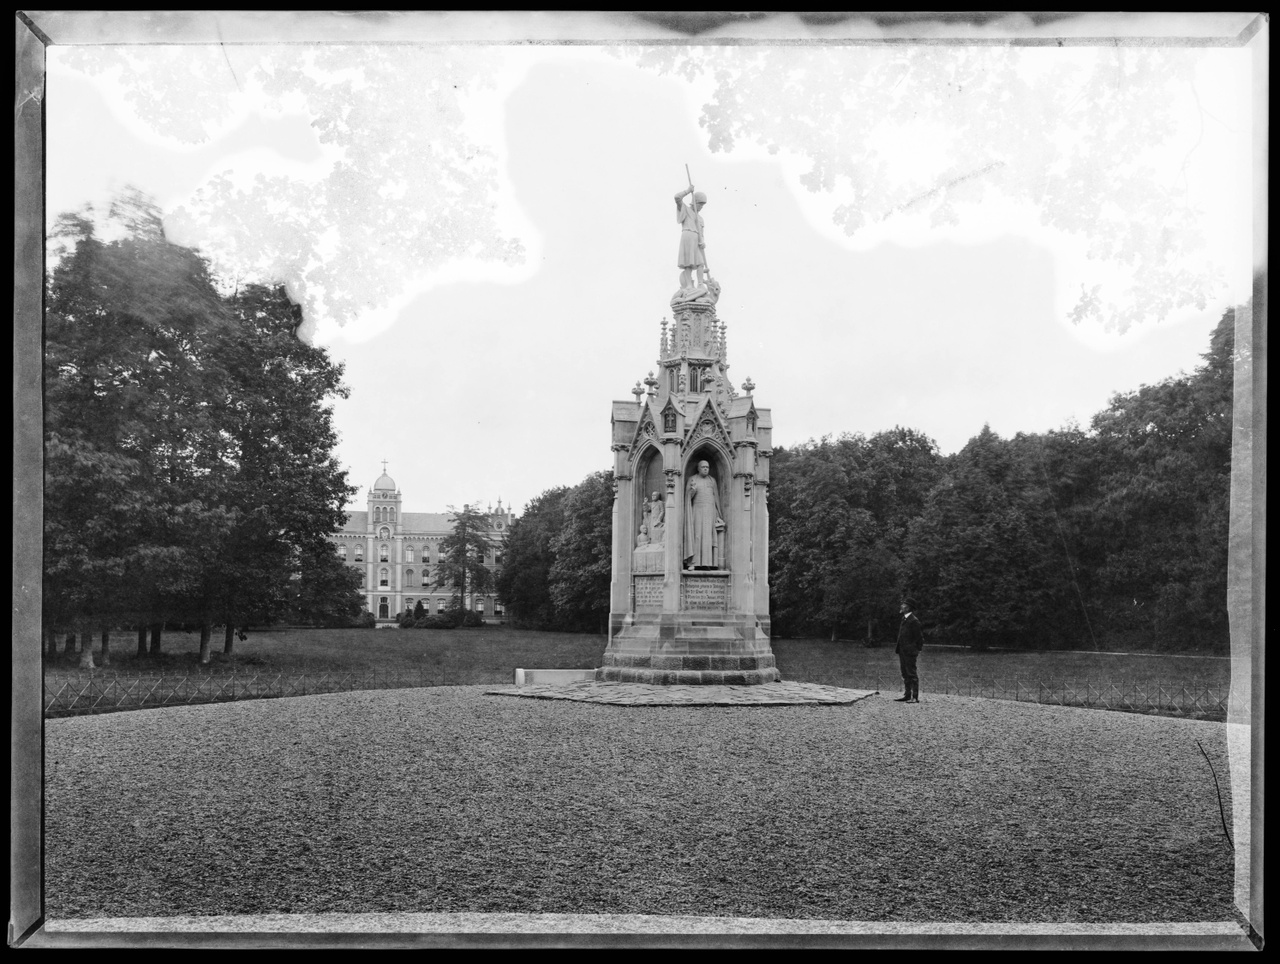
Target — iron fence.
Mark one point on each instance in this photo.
(89, 693)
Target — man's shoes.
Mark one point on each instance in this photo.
(902, 699)
(913, 701)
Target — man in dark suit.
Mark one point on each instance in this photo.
(910, 642)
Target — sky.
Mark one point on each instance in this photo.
(479, 378)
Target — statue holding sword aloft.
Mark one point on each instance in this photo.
(692, 255)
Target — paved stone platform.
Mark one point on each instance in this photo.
(647, 694)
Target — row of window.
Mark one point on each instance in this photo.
(441, 606)
(384, 554)
(384, 513)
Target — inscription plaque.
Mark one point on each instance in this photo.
(704, 593)
(648, 593)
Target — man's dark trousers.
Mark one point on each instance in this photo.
(910, 678)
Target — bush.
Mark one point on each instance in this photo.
(365, 620)
(435, 622)
(405, 620)
(470, 619)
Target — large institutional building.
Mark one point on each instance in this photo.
(396, 553)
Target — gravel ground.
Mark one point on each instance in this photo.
(446, 800)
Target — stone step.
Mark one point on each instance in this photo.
(530, 677)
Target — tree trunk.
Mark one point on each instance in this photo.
(142, 640)
(86, 650)
(206, 630)
(51, 643)
(69, 646)
(229, 639)
(156, 630)
(106, 647)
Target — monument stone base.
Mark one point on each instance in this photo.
(670, 649)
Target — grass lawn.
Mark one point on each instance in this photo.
(298, 662)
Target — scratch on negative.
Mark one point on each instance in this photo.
(36, 94)
(919, 198)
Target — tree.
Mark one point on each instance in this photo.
(127, 378)
(583, 568)
(1158, 526)
(524, 584)
(188, 439)
(838, 516)
(462, 566)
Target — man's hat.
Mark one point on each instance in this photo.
(699, 196)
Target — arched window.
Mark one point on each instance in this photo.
(359, 553)
(440, 604)
(384, 554)
(408, 577)
(391, 514)
(383, 577)
(408, 553)
(426, 578)
(480, 606)
(342, 553)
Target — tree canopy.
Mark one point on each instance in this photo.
(188, 438)
(925, 131)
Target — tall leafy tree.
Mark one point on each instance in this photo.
(188, 438)
(462, 567)
(1159, 524)
(579, 577)
(524, 584)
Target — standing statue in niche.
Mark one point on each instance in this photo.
(654, 513)
(703, 525)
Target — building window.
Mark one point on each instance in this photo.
(497, 558)
(342, 553)
(426, 577)
(391, 515)
(384, 554)
(408, 553)
(480, 606)
(408, 577)
(382, 577)
(383, 611)
(498, 609)
(439, 607)
(359, 554)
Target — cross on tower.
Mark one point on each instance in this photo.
(384, 466)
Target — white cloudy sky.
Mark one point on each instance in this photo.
(476, 379)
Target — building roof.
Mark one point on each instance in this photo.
(411, 523)
(385, 482)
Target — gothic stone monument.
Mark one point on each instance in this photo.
(690, 592)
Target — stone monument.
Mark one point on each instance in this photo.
(690, 593)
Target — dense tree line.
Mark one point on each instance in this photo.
(189, 474)
(1110, 536)
(557, 560)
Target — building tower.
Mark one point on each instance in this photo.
(689, 600)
